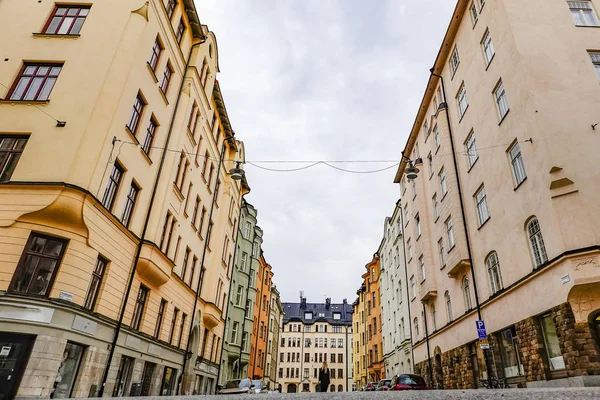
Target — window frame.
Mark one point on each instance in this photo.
(516, 159)
(595, 58)
(166, 81)
(450, 233)
(492, 263)
(89, 302)
(473, 13)
(155, 53)
(179, 33)
(113, 183)
(140, 306)
(454, 61)
(488, 44)
(539, 242)
(132, 196)
(9, 157)
(501, 100)
(582, 14)
(481, 206)
(471, 149)
(49, 75)
(135, 116)
(150, 135)
(75, 17)
(461, 100)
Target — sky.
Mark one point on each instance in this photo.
(323, 80)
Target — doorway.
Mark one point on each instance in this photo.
(291, 388)
(67, 372)
(14, 355)
(147, 378)
(123, 377)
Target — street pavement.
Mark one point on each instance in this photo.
(481, 394)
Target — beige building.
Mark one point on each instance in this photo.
(313, 333)
(502, 223)
(275, 325)
(117, 209)
(359, 338)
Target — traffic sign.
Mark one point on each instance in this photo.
(484, 344)
(481, 333)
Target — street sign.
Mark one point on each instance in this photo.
(484, 344)
(481, 333)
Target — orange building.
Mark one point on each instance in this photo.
(262, 309)
(376, 366)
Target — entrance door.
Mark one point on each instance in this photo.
(67, 372)
(14, 354)
(147, 378)
(123, 377)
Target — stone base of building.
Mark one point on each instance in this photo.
(520, 355)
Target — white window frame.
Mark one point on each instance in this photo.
(494, 273)
(454, 61)
(466, 288)
(448, 302)
(488, 48)
(450, 233)
(473, 12)
(483, 211)
(461, 100)
(436, 136)
(442, 253)
(500, 99)
(443, 183)
(536, 242)
(436, 206)
(517, 165)
(409, 249)
(595, 57)
(423, 269)
(585, 11)
(471, 149)
(430, 164)
(418, 225)
(413, 286)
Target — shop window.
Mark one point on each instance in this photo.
(511, 360)
(555, 357)
(123, 377)
(167, 387)
(63, 385)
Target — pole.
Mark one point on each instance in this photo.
(427, 340)
(464, 220)
(146, 223)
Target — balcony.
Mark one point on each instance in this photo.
(211, 315)
(154, 265)
(458, 268)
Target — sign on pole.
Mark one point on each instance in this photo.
(481, 333)
(484, 344)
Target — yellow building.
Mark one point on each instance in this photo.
(359, 336)
(116, 205)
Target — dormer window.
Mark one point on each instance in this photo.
(337, 315)
(308, 315)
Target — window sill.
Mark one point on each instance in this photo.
(484, 222)
(437, 148)
(191, 136)
(444, 196)
(54, 35)
(430, 176)
(452, 248)
(146, 156)
(164, 96)
(152, 73)
(194, 227)
(463, 114)
(587, 26)
(418, 237)
(200, 237)
(177, 192)
(453, 73)
(436, 219)
(471, 166)
(490, 62)
(25, 102)
(519, 185)
(203, 177)
(503, 117)
(132, 135)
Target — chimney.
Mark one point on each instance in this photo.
(327, 303)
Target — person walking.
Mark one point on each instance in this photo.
(324, 378)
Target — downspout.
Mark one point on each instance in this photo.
(427, 340)
(237, 235)
(146, 222)
(464, 219)
(412, 350)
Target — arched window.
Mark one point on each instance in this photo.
(332, 388)
(340, 388)
(467, 293)
(538, 249)
(416, 325)
(448, 305)
(493, 266)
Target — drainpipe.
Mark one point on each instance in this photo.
(427, 340)
(146, 222)
(237, 235)
(464, 219)
(412, 350)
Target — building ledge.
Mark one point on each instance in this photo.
(455, 271)
(154, 265)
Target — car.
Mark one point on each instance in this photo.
(371, 387)
(236, 386)
(408, 382)
(383, 385)
(258, 386)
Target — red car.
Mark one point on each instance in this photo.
(408, 382)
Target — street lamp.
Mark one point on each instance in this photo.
(237, 173)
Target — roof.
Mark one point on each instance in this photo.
(293, 313)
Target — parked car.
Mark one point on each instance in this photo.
(383, 385)
(408, 382)
(258, 386)
(236, 386)
(371, 387)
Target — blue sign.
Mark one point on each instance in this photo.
(481, 333)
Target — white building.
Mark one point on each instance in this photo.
(394, 300)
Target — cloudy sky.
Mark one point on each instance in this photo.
(323, 80)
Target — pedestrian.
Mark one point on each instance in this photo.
(324, 378)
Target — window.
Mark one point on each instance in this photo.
(461, 100)
(150, 131)
(332, 345)
(180, 30)
(66, 20)
(210, 173)
(35, 82)
(433, 317)
(516, 163)
(136, 113)
(454, 61)
(140, 305)
(493, 267)
(170, 7)
(114, 180)
(159, 318)
(418, 225)
(430, 165)
(422, 265)
(488, 47)
(583, 13)
(471, 149)
(95, 283)
(308, 315)
(181, 329)
(436, 136)
(155, 54)
(173, 322)
(337, 316)
(413, 287)
(595, 56)
(416, 325)
(536, 241)
(426, 128)
(467, 293)
(473, 11)
(340, 341)
(552, 344)
(11, 148)
(182, 168)
(436, 207)
(448, 306)
(225, 248)
(238, 296)
(164, 85)
(442, 253)
(450, 232)
(234, 331)
(184, 265)
(244, 261)
(192, 271)
(501, 102)
(130, 204)
(443, 184)
(483, 213)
